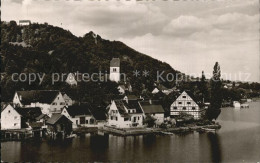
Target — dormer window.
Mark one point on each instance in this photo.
(183, 96)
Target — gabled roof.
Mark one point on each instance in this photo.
(41, 96)
(29, 113)
(152, 108)
(55, 118)
(120, 106)
(115, 62)
(75, 110)
(41, 116)
(133, 104)
(98, 113)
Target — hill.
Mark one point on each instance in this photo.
(47, 49)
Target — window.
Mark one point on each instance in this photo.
(125, 119)
(54, 103)
(15, 117)
(9, 111)
(15, 124)
(86, 121)
(76, 121)
(62, 103)
(179, 102)
(82, 120)
(188, 103)
(184, 108)
(114, 69)
(183, 96)
(193, 108)
(116, 118)
(175, 108)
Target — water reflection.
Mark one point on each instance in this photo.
(215, 147)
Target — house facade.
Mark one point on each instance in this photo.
(154, 110)
(80, 115)
(185, 104)
(50, 101)
(125, 114)
(10, 118)
(68, 100)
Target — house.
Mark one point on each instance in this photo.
(125, 114)
(161, 88)
(17, 118)
(153, 109)
(80, 115)
(24, 22)
(124, 88)
(50, 101)
(10, 118)
(121, 89)
(58, 126)
(115, 70)
(130, 97)
(185, 104)
(71, 80)
(42, 119)
(68, 100)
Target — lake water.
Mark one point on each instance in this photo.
(237, 141)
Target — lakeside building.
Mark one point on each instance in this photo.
(115, 70)
(58, 126)
(185, 104)
(50, 101)
(80, 115)
(18, 118)
(153, 109)
(125, 114)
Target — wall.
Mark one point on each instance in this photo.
(8, 120)
(184, 103)
(114, 76)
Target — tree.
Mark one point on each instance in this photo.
(149, 120)
(216, 94)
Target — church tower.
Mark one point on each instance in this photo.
(115, 70)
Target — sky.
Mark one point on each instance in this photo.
(189, 35)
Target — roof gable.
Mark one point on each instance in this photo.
(56, 118)
(29, 113)
(33, 96)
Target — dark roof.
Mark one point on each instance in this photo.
(99, 113)
(152, 108)
(41, 116)
(162, 87)
(36, 124)
(120, 107)
(30, 113)
(133, 104)
(42, 96)
(115, 62)
(132, 97)
(75, 110)
(55, 118)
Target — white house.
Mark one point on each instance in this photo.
(50, 101)
(115, 70)
(17, 118)
(125, 114)
(68, 100)
(80, 115)
(153, 109)
(185, 104)
(10, 118)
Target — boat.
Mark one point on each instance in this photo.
(71, 136)
(207, 130)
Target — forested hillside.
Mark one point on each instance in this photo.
(43, 48)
